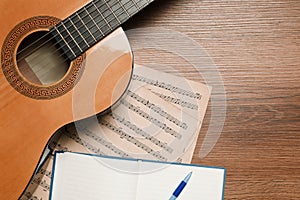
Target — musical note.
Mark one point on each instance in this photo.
(155, 121)
(139, 131)
(167, 86)
(103, 142)
(45, 172)
(39, 181)
(82, 142)
(132, 140)
(177, 101)
(30, 196)
(157, 109)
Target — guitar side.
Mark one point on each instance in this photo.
(26, 124)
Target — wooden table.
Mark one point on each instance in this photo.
(256, 48)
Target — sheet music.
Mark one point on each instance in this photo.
(159, 118)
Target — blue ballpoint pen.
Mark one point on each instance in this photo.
(180, 187)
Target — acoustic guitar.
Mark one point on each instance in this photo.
(61, 61)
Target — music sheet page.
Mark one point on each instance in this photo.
(158, 118)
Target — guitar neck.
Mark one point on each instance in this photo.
(93, 22)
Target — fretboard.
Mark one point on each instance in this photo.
(93, 22)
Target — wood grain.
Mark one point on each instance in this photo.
(256, 47)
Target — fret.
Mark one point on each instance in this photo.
(72, 23)
(97, 18)
(82, 30)
(84, 18)
(141, 3)
(112, 9)
(138, 7)
(91, 23)
(65, 44)
(125, 11)
(121, 13)
(102, 14)
(123, 3)
(108, 15)
(69, 38)
(130, 7)
(95, 29)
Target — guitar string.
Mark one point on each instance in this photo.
(138, 8)
(44, 43)
(122, 5)
(107, 23)
(79, 35)
(104, 2)
(44, 36)
(76, 28)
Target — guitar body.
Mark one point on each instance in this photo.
(32, 108)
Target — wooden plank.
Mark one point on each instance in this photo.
(255, 45)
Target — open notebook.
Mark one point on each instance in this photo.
(80, 176)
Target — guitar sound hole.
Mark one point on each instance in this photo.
(40, 60)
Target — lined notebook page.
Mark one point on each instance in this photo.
(78, 177)
(81, 176)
